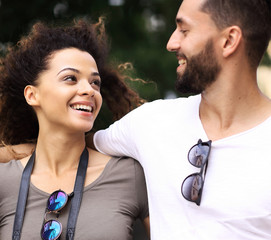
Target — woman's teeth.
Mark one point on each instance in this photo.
(82, 108)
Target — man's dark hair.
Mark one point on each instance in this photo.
(252, 16)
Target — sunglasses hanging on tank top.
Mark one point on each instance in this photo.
(52, 228)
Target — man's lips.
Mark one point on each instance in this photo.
(182, 63)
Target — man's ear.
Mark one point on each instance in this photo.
(31, 95)
(232, 37)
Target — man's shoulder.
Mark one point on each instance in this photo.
(172, 103)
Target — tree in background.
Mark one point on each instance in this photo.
(138, 30)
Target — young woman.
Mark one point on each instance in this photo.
(50, 89)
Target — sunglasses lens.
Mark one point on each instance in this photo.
(51, 230)
(198, 155)
(191, 188)
(57, 200)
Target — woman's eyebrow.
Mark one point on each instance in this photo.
(68, 69)
(77, 71)
(95, 74)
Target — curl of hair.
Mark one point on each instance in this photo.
(25, 61)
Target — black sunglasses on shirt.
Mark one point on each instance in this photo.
(192, 185)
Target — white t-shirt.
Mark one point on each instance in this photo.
(236, 198)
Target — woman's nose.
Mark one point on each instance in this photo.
(85, 88)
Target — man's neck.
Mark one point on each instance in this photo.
(233, 107)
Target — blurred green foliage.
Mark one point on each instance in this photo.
(138, 31)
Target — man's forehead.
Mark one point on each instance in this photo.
(192, 4)
(190, 12)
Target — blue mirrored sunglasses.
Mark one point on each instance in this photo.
(52, 229)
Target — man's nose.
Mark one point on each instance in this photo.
(174, 42)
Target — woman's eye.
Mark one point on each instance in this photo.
(70, 79)
(184, 31)
(97, 83)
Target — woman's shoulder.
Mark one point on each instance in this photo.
(131, 174)
(10, 177)
(126, 161)
(11, 167)
(97, 158)
(11, 171)
(126, 167)
(116, 167)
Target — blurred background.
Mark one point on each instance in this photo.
(138, 31)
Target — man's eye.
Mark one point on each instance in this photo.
(183, 31)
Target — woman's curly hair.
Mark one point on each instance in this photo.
(25, 61)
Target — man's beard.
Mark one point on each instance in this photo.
(201, 71)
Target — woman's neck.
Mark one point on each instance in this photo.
(58, 153)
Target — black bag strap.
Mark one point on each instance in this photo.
(78, 193)
(23, 193)
(75, 203)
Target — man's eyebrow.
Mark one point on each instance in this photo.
(180, 20)
(68, 69)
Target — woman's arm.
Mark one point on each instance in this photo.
(9, 152)
(146, 223)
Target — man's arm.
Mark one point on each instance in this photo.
(8, 153)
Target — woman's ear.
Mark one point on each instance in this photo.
(31, 95)
(231, 40)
